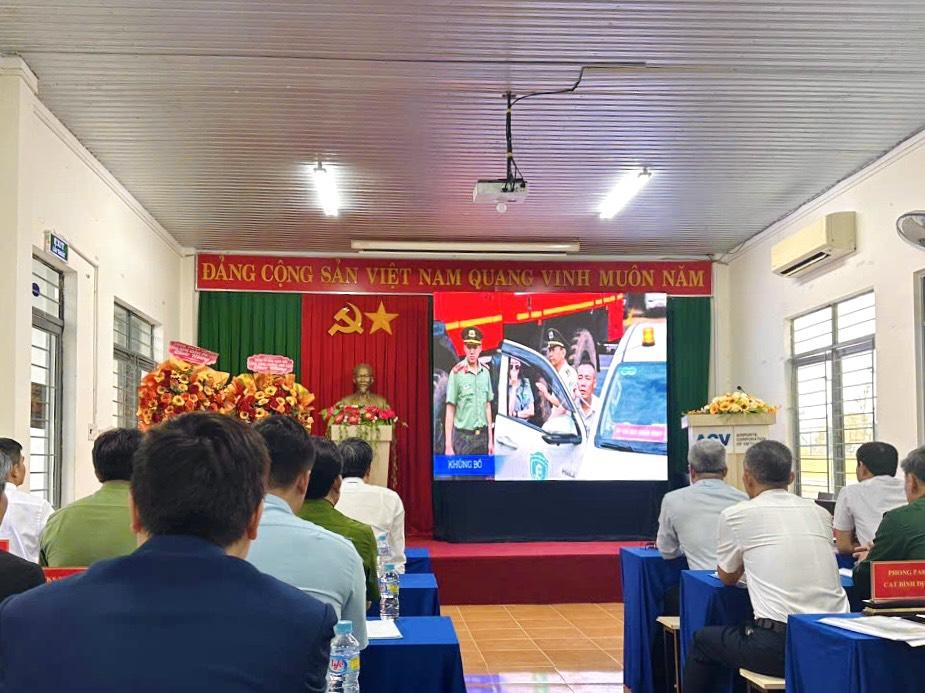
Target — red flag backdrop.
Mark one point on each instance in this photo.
(401, 364)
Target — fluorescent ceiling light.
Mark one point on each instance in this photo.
(463, 247)
(624, 191)
(326, 189)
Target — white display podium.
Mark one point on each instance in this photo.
(736, 432)
(379, 437)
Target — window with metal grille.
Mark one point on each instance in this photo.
(45, 412)
(133, 356)
(834, 392)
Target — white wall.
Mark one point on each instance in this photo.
(15, 270)
(759, 303)
(118, 251)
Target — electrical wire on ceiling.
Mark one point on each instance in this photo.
(513, 171)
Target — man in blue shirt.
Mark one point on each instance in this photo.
(294, 550)
(183, 613)
(690, 515)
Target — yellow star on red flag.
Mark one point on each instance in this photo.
(381, 319)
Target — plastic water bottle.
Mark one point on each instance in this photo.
(344, 666)
(388, 593)
(384, 552)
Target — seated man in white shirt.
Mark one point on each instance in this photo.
(320, 563)
(26, 514)
(860, 507)
(378, 507)
(783, 545)
(689, 516)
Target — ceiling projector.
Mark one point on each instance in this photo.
(500, 193)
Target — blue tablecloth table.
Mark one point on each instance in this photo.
(417, 561)
(706, 601)
(417, 596)
(425, 659)
(824, 658)
(646, 577)
(844, 560)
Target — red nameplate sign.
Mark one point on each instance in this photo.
(192, 354)
(52, 574)
(269, 363)
(897, 580)
(5, 545)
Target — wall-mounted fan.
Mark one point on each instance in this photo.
(911, 226)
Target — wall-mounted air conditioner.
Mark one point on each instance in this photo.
(824, 240)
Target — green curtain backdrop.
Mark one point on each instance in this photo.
(689, 330)
(237, 325)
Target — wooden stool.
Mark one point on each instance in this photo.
(672, 626)
(760, 682)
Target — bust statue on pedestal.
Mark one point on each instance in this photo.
(379, 437)
(363, 379)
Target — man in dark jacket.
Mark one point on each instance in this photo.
(184, 612)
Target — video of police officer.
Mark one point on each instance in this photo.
(550, 386)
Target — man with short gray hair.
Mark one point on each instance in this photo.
(687, 523)
(901, 535)
(782, 544)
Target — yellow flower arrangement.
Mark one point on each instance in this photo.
(738, 402)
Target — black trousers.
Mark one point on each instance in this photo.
(672, 602)
(470, 442)
(732, 647)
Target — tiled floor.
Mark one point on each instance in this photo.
(556, 648)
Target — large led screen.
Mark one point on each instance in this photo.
(550, 386)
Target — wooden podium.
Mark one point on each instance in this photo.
(379, 437)
(736, 432)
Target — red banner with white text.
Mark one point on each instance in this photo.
(362, 275)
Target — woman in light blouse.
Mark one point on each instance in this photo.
(520, 396)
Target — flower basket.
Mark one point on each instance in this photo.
(252, 397)
(738, 402)
(367, 422)
(176, 387)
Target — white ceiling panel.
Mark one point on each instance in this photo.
(211, 112)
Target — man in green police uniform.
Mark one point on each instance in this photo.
(901, 535)
(100, 525)
(322, 495)
(468, 402)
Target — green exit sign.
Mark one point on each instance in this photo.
(57, 246)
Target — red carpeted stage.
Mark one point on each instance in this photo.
(527, 573)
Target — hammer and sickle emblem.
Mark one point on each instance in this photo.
(347, 320)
